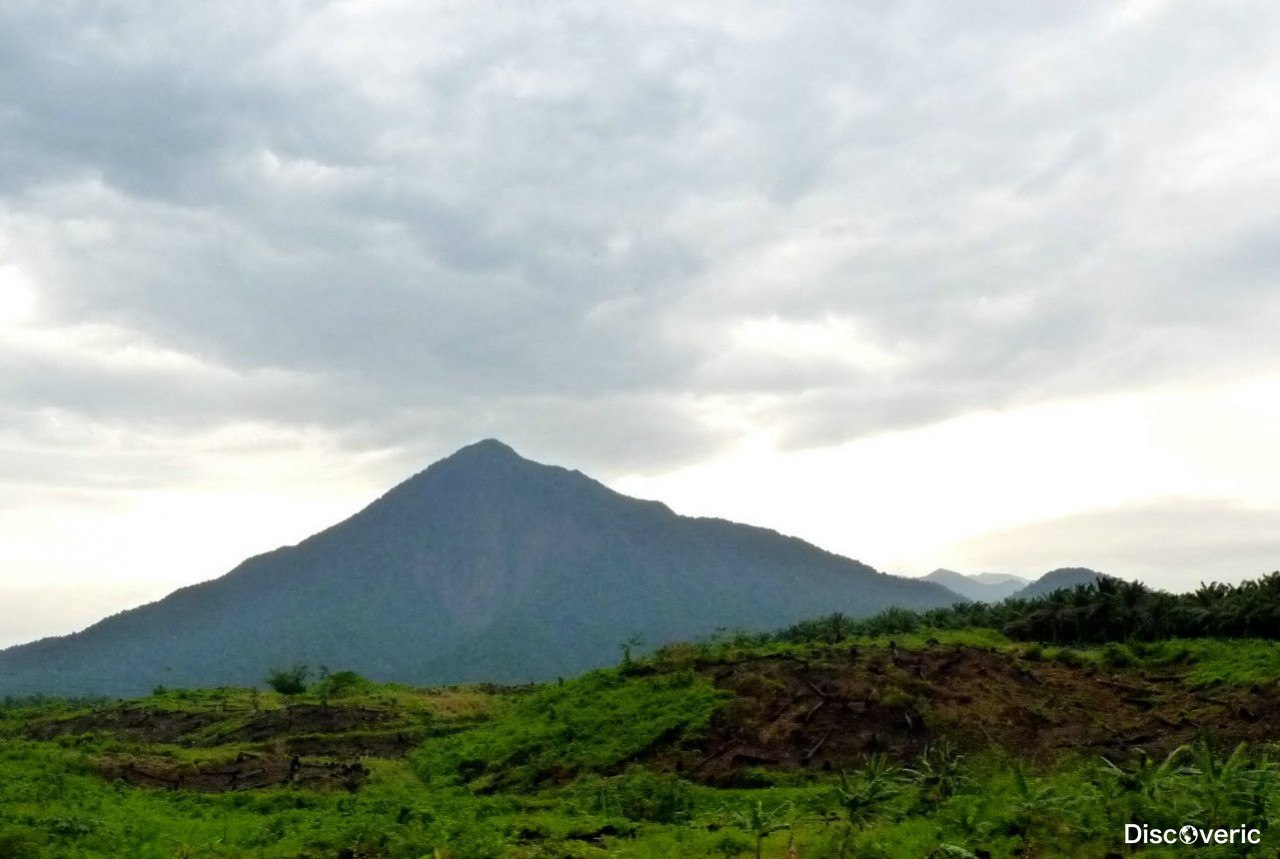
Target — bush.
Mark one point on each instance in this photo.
(1070, 657)
(19, 844)
(644, 796)
(289, 681)
(342, 683)
(1116, 656)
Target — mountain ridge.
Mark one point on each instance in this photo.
(982, 587)
(1059, 579)
(483, 566)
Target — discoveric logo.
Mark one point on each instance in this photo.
(1137, 833)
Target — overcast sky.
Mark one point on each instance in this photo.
(993, 286)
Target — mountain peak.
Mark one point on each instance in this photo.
(485, 457)
(487, 448)
(1059, 579)
(983, 587)
(486, 566)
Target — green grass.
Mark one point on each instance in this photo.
(1247, 662)
(593, 724)
(52, 808)
(561, 771)
(1243, 662)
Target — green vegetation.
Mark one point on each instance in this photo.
(1106, 609)
(941, 804)
(289, 681)
(903, 735)
(595, 724)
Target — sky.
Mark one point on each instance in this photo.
(990, 286)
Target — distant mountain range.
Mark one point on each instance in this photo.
(994, 587)
(1064, 577)
(485, 566)
(982, 587)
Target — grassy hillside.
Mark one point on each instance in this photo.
(874, 738)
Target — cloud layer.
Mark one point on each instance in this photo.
(624, 236)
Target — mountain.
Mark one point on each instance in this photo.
(982, 587)
(485, 566)
(999, 578)
(1064, 577)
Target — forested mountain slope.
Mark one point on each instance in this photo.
(485, 566)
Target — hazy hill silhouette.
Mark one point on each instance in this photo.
(1064, 577)
(485, 566)
(982, 587)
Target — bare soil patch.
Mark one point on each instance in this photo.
(789, 713)
(382, 744)
(140, 724)
(311, 746)
(149, 725)
(246, 771)
(307, 719)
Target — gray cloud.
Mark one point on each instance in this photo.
(423, 223)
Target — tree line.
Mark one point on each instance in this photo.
(1107, 609)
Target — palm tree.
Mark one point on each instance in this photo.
(762, 822)
(1219, 785)
(1146, 780)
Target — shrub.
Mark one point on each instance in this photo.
(19, 844)
(289, 681)
(342, 683)
(861, 797)
(1116, 656)
(1070, 657)
(643, 796)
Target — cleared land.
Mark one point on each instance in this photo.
(924, 743)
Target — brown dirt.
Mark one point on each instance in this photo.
(788, 713)
(387, 744)
(307, 745)
(307, 719)
(139, 724)
(143, 725)
(244, 772)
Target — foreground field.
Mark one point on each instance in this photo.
(923, 743)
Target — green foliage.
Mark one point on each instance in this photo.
(595, 724)
(760, 821)
(639, 795)
(1116, 655)
(1247, 662)
(1105, 610)
(340, 684)
(289, 681)
(20, 843)
(1069, 656)
(578, 769)
(629, 648)
(938, 773)
(862, 796)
